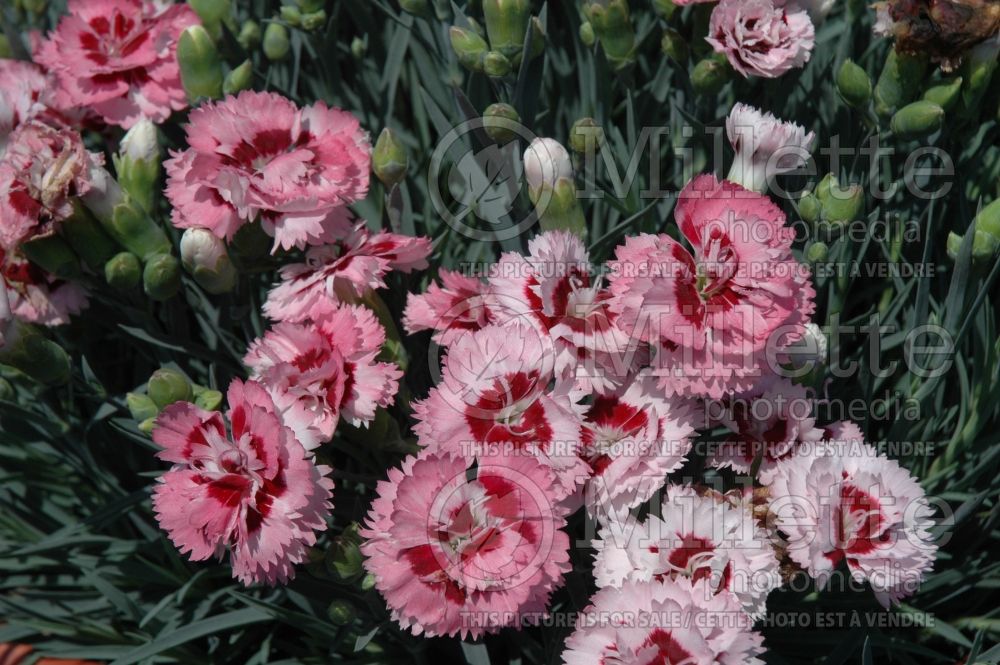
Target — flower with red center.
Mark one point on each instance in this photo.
(41, 172)
(761, 37)
(342, 272)
(552, 288)
(497, 391)
(36, 296)
(632, 440)
(845, 502)
(259, 155)
(118, 58)
(321, 372)
(673, 622)
(251, 490)
(715, 315)
(459, 304)
(771, 423)
(702, 537)
(460, 548)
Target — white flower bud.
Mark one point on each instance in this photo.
(204, 256)
(765, 146)
(545, 162)
(141, 142)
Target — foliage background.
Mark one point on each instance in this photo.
(84, 570)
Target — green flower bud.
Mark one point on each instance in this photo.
(612, 25)
(978, 68)
(587, 35)
(138, 163)
(810, 207)
(664, 8)
(501, 122)
(709, 75)
(23, 347)
(200, 65)
(828, 182)
(368, 582)
(276, 42)
(415, 7)
(507, 24)
(817, 252)
(854, 85)
(53, 254)
(359, 48)
(984, 247)
(290, 15)
(123, 271)
(343, 560)
(900, 81)
(167, 385)
(469, 47)
(209, 400)
(205, 258)
(843, 205)
(213, 13)
(161, 278)
(917, 119)
(495, 64)
(389, 160)
(586, 136)
(314, 21)
(147, 426)
(123, 219)
(946, 94)
(674, 46)
(142, 407)
(250, 35)
(988, 219)
(341, 613)
(240, 78)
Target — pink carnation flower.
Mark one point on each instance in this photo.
(632, 440)
(761, 37)
(765, 146)
(715, 316)
(342, 272)
(674, 621)
(463, 550)
(258, 154)
(36, 296)
(42, 171)
(458, 305)
(321, 372)
(845, 502)
(24, 94)
(552, 289)
(772, 422)
(118, 58)
(252, 491)
(699, 537)
(495, 392)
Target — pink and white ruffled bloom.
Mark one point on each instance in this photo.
(458, 305)
(846, 502)
(674, 621)
(35, 296)
(343, 272)
(717, 315)
(252, 490)
(552, 288)
(460, 550)
(761, 37)
(258, 154)
(324, 371)
(765, 147)
(698, 537)
(24, 94)
(495, 392)
(632, 440)
(118, 58)
(41, 172)
(772, 423)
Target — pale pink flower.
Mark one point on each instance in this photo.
(343, 272)
(459, 304)
(699, 537)
(632, 440)
(118, 58)
(675, 621)
(36, 296)
(495, 391)
(456, 549)
(24, 94)
(765, 146)
(761, 37)
(714, 315)
(846, 502)
(251, 490)
(259, 155)
(42, 171)
(772, 423)
(324, 371)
